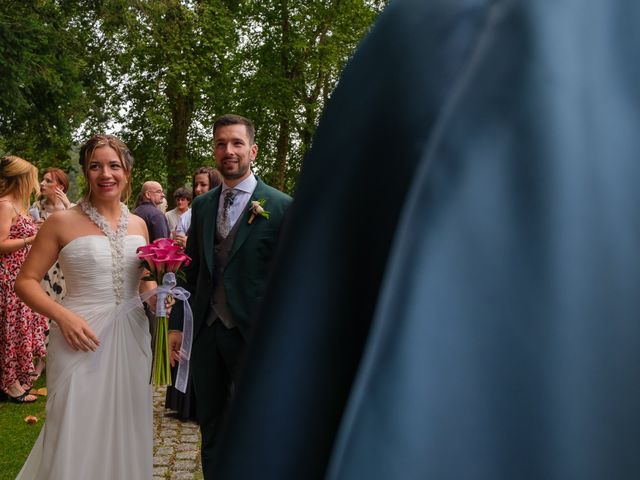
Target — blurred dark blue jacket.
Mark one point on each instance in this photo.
(458, 291)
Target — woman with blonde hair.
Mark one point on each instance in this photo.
(100, 401)
(22, 332)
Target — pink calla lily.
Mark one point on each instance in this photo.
(162, 256)
(163, 243)
(149, 259)
(174, 262)
(149, 248)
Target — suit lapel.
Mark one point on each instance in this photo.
(244, 229)
(209, 218)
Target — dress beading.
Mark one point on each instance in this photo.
(116, 241)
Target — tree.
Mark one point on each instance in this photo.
(292, 60)
(172, 58)
(44, 79)
(158, 72)
(185, 63)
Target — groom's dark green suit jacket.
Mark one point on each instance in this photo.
(249, 261)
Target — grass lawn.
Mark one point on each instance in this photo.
(16, 436)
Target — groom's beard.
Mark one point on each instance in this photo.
(229, 174)
(234, 175)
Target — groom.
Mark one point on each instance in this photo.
(231, 243)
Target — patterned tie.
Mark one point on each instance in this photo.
(224, 225)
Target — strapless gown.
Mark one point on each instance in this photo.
(99, 409)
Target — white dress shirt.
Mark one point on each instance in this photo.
(184, 222)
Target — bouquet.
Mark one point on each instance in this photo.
(163, 258)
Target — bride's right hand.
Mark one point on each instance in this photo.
(77, 332)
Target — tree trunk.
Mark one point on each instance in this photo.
(177, 160)
(282, 152)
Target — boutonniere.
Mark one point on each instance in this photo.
(256, 209)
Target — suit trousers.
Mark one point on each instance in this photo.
(215, 356)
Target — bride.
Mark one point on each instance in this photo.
(99, 408)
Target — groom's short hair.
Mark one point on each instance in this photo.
(232, 119)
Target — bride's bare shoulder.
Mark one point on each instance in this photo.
(136, 220)
(63, 226)
(137, 226)
(66, 217)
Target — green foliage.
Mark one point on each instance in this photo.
(292, 61)
(158, 72)
(18, 437)
(173, 57)
(43, 99)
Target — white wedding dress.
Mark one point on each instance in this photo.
(99, 409)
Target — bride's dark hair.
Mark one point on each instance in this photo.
(98, 141)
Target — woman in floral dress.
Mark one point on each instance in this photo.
(22, 331)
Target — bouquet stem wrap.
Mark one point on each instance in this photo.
(161, 369)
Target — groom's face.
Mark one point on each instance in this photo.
(234, 151)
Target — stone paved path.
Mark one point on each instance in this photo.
(176, 446)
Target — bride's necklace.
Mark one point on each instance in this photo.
(116, 241)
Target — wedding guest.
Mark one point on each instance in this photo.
(163, 205)
(99, 408)
(182, 198)
(204, 178)
(232, 246)
(151, 196)
(53, 198)
(53, 193)
(22, 331)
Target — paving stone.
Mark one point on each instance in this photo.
(181, 475)
(186, 455)
(189, 425)
(183, 465)
(174, 439)
(187, 446)
(192, 429)
(165, 451)
(161, 460)
(160, 471)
